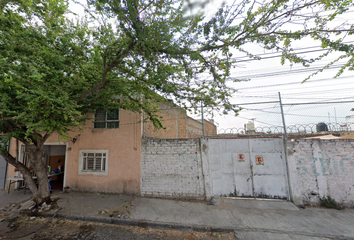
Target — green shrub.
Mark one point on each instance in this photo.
(329, 202)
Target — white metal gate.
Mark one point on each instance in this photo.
(248, 168)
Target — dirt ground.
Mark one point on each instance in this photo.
(22, 227)
(121, 211)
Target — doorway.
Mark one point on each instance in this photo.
(54, 159)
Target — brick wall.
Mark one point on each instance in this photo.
(171, 168)
(321, 168)
(195, 128)
(177, 124)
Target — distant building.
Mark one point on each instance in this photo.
(349, 119)
(249, 128)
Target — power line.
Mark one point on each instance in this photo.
(295, 98)
(248, 59)
(291, 104)
(295, 49)
(276, 56)
(290, 114)
(294, 83)
(303, 70)
(295, 93)
(286, 72)
(283, 68)
(319, 92)
(257, 121)
(325, 99)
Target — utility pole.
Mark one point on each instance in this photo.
(285, 151)
(282, 116)
(203, 127)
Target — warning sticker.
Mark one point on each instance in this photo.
(241, 157)
(259, 160)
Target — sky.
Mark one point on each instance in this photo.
(267, 78)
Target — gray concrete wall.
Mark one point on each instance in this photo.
(321, 168)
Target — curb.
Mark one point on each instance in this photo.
(175, 226)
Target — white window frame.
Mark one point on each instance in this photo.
(90, 172)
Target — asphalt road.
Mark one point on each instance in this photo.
(61, 229)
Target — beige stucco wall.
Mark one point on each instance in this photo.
(124, 146)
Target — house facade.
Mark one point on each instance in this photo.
(105, 156)
(95, 159)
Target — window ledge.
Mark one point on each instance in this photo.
(93, 173)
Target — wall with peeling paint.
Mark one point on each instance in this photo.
(321, 168)
(235, 172)
(202, 168)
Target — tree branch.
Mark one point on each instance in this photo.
(27, 176)
(46, 136)
(104, 74)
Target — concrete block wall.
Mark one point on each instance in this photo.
(172, 168)
(321, 168)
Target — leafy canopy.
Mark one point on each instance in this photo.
(132, 53)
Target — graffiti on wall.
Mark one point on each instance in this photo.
(328, 165)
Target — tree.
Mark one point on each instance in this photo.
(130, 54)
(47, 70)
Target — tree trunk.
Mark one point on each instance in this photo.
(43, 192)
(27, 176)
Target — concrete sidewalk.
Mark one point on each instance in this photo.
(13, 197)
(248, 218)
